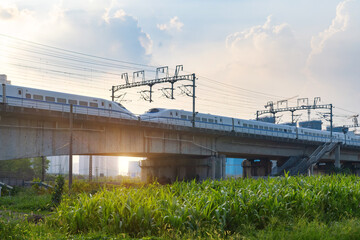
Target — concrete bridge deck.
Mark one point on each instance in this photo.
(28, 132)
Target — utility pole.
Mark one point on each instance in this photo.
(70, 147)
(97, 173)
(112, 93)
(90, 168)
(42, 168)
(331, 121)
(4, 93)
(194, 78)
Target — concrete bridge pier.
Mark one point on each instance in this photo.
(256, 168)
(337, 156)
(170, 169)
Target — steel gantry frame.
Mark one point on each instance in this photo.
(273, 110)
(150, 83)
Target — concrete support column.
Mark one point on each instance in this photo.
(213, 167)
(256, 168)
(246, 164)
(220, 162)
(171, 169)
(311, 170)
(337, 156)
(223, 167)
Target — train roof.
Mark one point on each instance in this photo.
(55, 92)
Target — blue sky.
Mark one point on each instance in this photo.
(282, 48)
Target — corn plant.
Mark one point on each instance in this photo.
(226, 206)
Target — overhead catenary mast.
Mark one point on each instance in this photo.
(147, 95)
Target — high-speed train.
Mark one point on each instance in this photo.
(208, 121)
(57, 101)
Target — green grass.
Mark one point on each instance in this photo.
(26, 202)
(321, 207)
(229, 206)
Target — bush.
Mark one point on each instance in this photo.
(58, 190)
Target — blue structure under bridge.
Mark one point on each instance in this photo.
(233, 167)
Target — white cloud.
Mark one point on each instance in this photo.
(335, 52)
(146, 42)
(110, 33)
(173, 25)
(120, 14)
(339, 24)
(8, 12)
(265, 56)
(17, 22)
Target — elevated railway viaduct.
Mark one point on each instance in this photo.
(171, 152)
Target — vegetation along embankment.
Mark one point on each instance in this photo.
(275, 208)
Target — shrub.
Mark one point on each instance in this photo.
(58, 190)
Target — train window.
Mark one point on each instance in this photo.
(270, 128)
(220, 119)
(285, 130)
(28, 95)
(215, 120)
(109, 105)
(102, 104)
(251, 126)
(197, 119)
(93, 104)
(19, 92)
(74, 102)
(261, 127)
(266, 128)
(83, 103)
(49, 99)
(61, 100)
(255, 126)
(211, 120)
(176, 114)
(245, 125)
(204, 119)
(183, 117)
(153, 110)
(239, 122)
(170, 113)
(120, 105)
(38, 97)
(190, 118)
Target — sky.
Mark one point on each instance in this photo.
(244, 53)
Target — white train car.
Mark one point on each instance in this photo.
(57, 101)
(185, 118)
(208, 121)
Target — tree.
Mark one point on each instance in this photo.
(19, 168)
(25, 168)
(37, 166)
